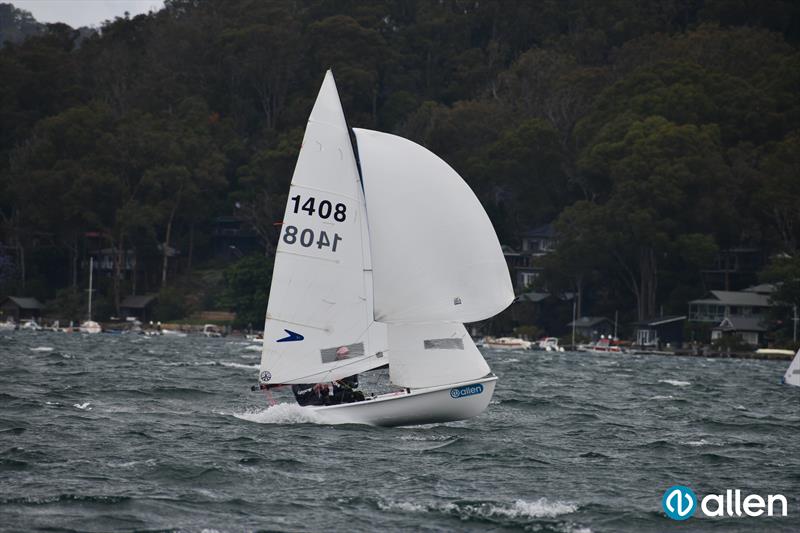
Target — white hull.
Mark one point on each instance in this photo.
(420, 406)
(507, 343)
(90, 326)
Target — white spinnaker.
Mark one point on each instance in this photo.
(435, 255)
(320, 298)
(792, 376)
(426, 355)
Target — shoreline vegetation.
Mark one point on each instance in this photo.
(659, 141)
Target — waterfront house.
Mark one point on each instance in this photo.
(734, 312)
(591, 327)
(20, 309)
(140, 307)
(660, 331)
(749, 303)
(751, 330)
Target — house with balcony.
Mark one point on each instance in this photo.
(734, 312)
(523, 263)
(539, 241)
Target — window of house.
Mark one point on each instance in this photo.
(528, 278)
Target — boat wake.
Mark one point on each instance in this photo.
(282, 413)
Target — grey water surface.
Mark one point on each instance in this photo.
(128, 433)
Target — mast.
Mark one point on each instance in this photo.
(91, 271)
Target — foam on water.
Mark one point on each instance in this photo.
(239, 365)
(282, 413)
(84, 406)
(42, 349)
(541, 508)
(675, 382)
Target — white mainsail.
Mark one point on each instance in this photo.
(321, 294)
(792, 376)
(435, 255)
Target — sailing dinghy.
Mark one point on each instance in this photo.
(386, 254)
(792, 376)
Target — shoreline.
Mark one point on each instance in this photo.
(708, 353)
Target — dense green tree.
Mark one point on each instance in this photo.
(247, 290)
(660, 132)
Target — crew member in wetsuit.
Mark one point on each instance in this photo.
(344, 390)
(312, 394)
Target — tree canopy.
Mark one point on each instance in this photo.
(653, 134)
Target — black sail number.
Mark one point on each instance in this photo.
(308, 238)
(323, 209)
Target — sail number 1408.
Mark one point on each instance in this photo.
(306, 238)
(323, 209)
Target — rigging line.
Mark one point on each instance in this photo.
(326, 191)
(293, 323)
(354, 361)
(307, 256)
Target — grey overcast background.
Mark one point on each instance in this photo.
(79, 13)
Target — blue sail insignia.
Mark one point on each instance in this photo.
(292, 336)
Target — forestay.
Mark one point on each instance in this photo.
(321, 297)
(426, 355)
(435, 255)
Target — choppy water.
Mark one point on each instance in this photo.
(101, 433)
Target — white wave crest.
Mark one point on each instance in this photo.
(282, 413)
(427, 438)
(541, 508)
(408, 507)
(42, 349)
(701, 442)
(84, 406)
(675, 382)
(239, 365)
(667, 397)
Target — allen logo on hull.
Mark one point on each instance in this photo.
(467, 390)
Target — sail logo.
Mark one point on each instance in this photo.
(266, 375)
(468, 390)
(679, 503)
(291, 336)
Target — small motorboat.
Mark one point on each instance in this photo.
(507, 343)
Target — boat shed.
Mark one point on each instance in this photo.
(660, 331)
(20, 308)
(591, 327)
(140, 307)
